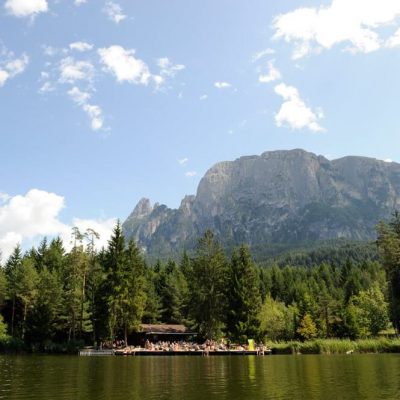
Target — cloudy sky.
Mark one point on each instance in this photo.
(104, 102)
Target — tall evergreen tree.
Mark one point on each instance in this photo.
(153, 306)
(208, 285)
(389, 244)
(93, 281)
(75, 272)
(132, 296)
(26, 289)
(172, 290)
(113, 285)
(44, 321)
(12, 266)
(3, 287)
(244, 299)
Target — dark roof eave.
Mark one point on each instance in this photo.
(171, 333)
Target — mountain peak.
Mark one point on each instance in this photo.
(142, 209)
(279, 197)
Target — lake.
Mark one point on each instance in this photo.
(188, 378)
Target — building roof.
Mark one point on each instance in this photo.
(164, 329)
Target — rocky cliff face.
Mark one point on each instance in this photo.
(280, 197)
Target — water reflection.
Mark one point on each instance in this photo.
(130, 378)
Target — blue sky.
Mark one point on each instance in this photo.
(105, 102)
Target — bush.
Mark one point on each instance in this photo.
(12, 345)
(336, 346)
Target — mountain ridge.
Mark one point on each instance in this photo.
(279, 197)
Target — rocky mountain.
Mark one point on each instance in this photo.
(280, 197)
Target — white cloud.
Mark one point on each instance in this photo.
(81, 46)
(27, 218)
(394, 40)
(261, 54)
(167, 68)
(4, 75)
(78, 96)
(191, 174)
(17, 66)
(114, 12)
(47, 87)
(272, 75)
(72, 70)
(8, 241)
(294, 112)
(203, 97)
(388, 160)
(4, 197)
(71, 73)
(26, 8)
(183, 161)
(12, 67)
(222, 85)
(79, 2)
(94, 112)
(158, 80)
(44, 75)
(50, 51)
(354, 22)
(124, 65)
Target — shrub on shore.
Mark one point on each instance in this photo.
(336, 346)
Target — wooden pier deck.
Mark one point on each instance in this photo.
(149, 353)
(94, 352)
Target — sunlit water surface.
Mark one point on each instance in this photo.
(237, 377)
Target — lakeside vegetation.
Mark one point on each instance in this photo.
(336, 346)
(53, 300)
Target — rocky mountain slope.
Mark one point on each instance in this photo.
(280, 197)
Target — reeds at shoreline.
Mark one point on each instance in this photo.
(336, 346)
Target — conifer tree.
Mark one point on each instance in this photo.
(3, 287)
(208, 287)
(44, 321)
(26, 288)
(132, 296)
(244, 299)
(12, 266)
(389, 244)
(75, 272)
(114, 269)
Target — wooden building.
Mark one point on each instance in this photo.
(162, 332)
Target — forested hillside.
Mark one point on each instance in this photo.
(52, 300)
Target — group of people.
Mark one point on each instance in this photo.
(116, 344)
(207, 347)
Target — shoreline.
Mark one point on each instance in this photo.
(316, 346)
(336, 346)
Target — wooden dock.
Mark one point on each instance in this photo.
(149, 353)
(94, 352)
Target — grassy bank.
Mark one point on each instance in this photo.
(336, 346)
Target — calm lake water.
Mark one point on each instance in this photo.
(188, 378)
